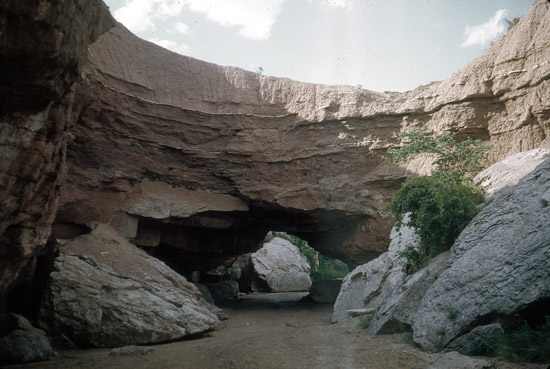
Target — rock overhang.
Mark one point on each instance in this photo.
(258, 153)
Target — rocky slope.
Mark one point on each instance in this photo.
(206, 159)
(495, 276)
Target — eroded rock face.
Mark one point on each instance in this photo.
(368, 285)
(281, 266)
(499, 265)
(209, 158)
(105, 292)
(37, 94)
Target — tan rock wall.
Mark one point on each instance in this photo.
(227, 149)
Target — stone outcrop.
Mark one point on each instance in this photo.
(21, 342)
(368, 285)
(175, 151)
(495, 276)
(397, 311)
(36, 111)
(105, 292)
(499, 265)
(281, 266)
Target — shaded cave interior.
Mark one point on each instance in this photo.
(197, 245)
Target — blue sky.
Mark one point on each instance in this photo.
(381, 45)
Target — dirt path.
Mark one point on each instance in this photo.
(269, 331)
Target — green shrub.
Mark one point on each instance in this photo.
(328, 269)
(439, 210)
(440, 205)
(525, 344)
(466, 157)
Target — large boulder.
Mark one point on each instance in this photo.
(106, 292)
(21, 342)
(369, 284)
(508, 172)
(499, 265)
(281, 265)
(397, 311)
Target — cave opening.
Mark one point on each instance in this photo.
(217, 250)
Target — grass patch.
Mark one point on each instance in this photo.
(522, 345)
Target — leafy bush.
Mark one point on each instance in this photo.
(466, 157)
(439, 210)
(322, 267)
(440, 205)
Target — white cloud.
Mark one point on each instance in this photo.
(181, 28)
(136, 15)
(484, 33)
(335, 3)
(339, 3)
(141, 15)
(173, 46)
(255, 19)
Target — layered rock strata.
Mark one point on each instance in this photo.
(174, 151)
(206, 159)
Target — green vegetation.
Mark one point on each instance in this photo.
(524, 344)
(466, 157)
(322, 267)
(364, 321)
(442, 204)
(439, 208)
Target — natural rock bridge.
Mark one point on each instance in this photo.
(175, 151)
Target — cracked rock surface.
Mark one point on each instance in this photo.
(105, 292)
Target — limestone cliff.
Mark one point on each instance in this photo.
(176, 151)
(42, 47)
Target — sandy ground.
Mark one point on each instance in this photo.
(270, 331)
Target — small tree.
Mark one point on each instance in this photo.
(440, 205)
